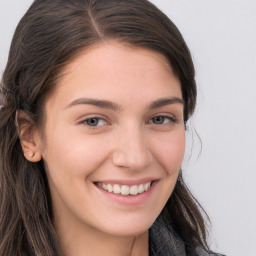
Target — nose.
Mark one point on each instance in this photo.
(132, 150)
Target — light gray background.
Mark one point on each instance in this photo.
(221, 35)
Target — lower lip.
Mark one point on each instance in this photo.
(129, 200)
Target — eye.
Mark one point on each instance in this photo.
(162, 120)
(95, 121)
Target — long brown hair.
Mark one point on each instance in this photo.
(49, 35)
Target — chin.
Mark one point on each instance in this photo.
(125, 228)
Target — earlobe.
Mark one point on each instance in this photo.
(28, 138)
(29, 146)
(32, 156)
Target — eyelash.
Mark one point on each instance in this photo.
(85, 122)
(170, 119)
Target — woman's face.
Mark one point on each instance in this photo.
(114, 140)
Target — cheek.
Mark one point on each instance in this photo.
(74, 155)
(170, 151)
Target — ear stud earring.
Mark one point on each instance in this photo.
(31, 154)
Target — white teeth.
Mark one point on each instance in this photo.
(104, 186)
(141, 188)
(134, 190)
(124, 189)
(117, 189)
(147, 186)
(109, 188)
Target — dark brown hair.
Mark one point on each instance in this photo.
(48, 37)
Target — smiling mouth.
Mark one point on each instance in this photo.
(125, 190)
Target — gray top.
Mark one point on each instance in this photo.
(164, 241)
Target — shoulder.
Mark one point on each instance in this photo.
(163, 240)
(202, 252)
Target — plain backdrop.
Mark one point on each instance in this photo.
(221, 35)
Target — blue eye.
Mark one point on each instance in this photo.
(162, 120)
(95, 121)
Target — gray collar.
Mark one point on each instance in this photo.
(164, 241)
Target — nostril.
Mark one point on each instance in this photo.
(132, 160)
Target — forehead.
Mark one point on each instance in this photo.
(112, 69)
(114, 52)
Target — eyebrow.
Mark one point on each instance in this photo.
(115, 107)
(96, 102)
(165, 101)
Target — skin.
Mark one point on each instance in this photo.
(126, 145)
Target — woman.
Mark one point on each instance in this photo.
(97, 96)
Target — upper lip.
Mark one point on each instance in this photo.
(127, 182)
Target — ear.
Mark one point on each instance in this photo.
(29, 138)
